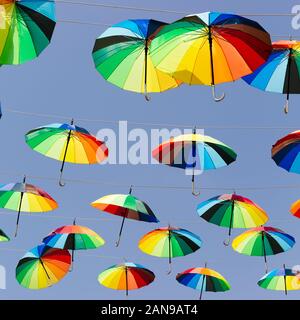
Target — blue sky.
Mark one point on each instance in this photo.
(63, 81)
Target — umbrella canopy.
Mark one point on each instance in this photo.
(126, 276)
(24, 197)
(122, 55)
(285, 152)
(42, 266)
(295, 209)
(125, 206)
(211, 48)
(283, 279)
(203, 280)
(263, 241)
(26, 29)
(232, 211)
(3, 236)
(281, 72)
(67, 143)
(190, 151)
(169, 242)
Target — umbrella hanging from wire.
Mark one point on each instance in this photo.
(24, 197)
(67, 143)
(3, 236)
(211, 48)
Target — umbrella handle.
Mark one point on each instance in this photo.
(194, 192)
(170, 269)
(226, 242)
(61, 182)
(118, 242)
(286, 107)
(146, 94)
(217, 99)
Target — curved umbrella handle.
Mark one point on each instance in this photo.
(226, 242)
(286, 107)
(118, 241)
(170, 269)
(60, 182)
(217, 99)
(194, 192)
(146, 95)
(71, 267)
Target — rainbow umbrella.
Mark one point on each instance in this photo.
(67, 143)
(295, 209)
(232, 211)
(281, 72)
(42, 266)
(26, 29)
(3, 236)
(125, 206)
(122, 55)
(203, 279)
(169, 243)
(285, 152)
(24, 197)
(210, 48)
(284, 279)
(126, 276)
(263, 241)
(190, 151)
(73, 237)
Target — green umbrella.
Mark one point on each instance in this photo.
(3, 236)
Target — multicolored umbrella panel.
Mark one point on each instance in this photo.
(24, 197)
(232, 211)
(203, 280)
(170, 242)
(263, 241)
(67, 143)
(192, 151)
(26, 29)
(210, 48)
(42, 266)
(3, 236)
(281, 72)
(122, 55)
(126, 206)
(126, 276)
(295, 209)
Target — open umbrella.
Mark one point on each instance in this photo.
(295, 209)
(232, 211)
(74, 237)
(26, 29)
(24, 197)
(169, 243)
(263, 241)
(126, 276)
(210, 48)
(3, 236)
(190, 151)
(126, 206)
(203, 280)
(67, 143)
(283, 279)
(281, 72)
(122, 55)
(42, 266)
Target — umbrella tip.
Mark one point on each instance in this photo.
(24, 178)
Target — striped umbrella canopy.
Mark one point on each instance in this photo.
(203, 280)
(42, 266)
(281, 72)
(169, 242)
(232, 211)
(24, 197)
(126, 206)
(295, 209)
(74, 237)
(126, 276)
(67, 143)
(191, 151)
(263, 241)
(3, 236)
(26, 29)
(283, 279)
(122, 55)
(211, 48)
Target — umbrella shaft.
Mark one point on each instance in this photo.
(211, 56)
(66, 150)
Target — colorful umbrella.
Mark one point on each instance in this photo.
(122, 55)
(24, 197)
(3, 236)
(281, 72)
(295, 209)
(263, 241)
(169, 243)
(67, 143)
(126, 276)
(203, 279)
(285, 152)
(73, 237)
(125, 206)
(281, 279)
(189, 151)
(232, 211)
(210, 48)
(26, 29)
(42, 266)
